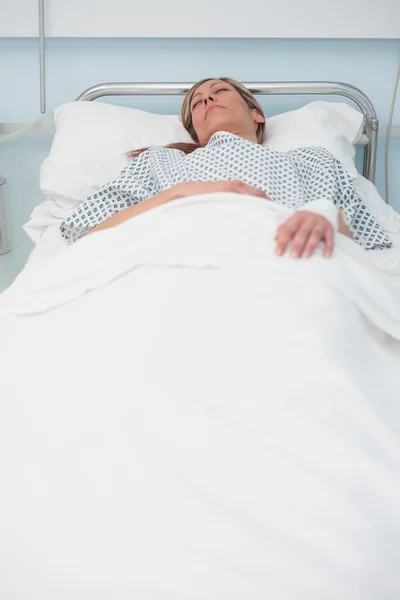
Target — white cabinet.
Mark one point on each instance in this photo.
(204, 18)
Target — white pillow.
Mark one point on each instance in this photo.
(90, 146)
(334, 126)
(92, 138)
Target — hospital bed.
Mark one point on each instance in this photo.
(182, 420)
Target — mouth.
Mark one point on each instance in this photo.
(211, 108)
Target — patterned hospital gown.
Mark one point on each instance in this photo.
(291, 178)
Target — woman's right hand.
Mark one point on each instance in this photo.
(193, 188)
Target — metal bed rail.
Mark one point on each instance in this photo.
(325, 88)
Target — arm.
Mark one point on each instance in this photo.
(136, 209)
(324, 177)
(134, 185)
(181, 190)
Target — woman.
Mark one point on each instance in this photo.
(228, 126)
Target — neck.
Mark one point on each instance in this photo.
(247, 135)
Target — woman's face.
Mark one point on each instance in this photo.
(217, 106)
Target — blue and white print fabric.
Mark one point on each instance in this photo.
(291, 178)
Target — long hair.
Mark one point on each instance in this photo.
(187, 121)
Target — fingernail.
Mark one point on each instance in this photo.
(278, 251)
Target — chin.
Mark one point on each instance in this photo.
(219, 125)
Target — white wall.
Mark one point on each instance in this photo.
(204, 18)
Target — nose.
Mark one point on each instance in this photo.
(209, 99)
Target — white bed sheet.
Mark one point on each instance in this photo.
(51, 243)
(261, 461)
(43, 229)
(388, 259)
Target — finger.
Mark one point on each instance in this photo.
(285, 235)
(282, 242)
(240, 187)
(317, 234)
(329, 242)
(261, 194)
(253, 191)
(256, 192)
(292, 223)
(301, 239)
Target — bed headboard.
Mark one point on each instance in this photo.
(326, 88)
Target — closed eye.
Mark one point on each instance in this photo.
(216, 92)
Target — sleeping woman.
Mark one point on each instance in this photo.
(227, 125)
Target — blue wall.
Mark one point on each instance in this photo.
(75, 64)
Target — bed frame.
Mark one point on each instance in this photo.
(368, 140)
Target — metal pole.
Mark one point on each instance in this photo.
(5, 244)
(42, 72)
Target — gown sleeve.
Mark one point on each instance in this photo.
(325, 178)
(134, 184)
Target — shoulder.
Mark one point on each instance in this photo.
(153, 156)
(157, 152)
(314, 155)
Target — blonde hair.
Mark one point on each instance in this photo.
(187, 121)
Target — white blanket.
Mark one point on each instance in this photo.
(186, 416)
